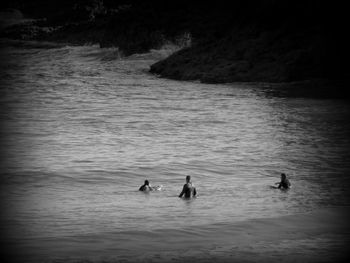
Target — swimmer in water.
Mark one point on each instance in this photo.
(188, 190)
(146, 186)
(284, 184)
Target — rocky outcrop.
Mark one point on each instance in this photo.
(275, 43)
(247, 54)
(246, 40)
(133, 28)
(69, 22)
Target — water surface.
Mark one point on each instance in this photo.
(82, 128)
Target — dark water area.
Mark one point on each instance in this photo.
(82, 128)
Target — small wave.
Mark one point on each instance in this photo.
(83, 161)
(29, 44)
(103, 54)
(168, 48)
(156, 54)
(10, 17)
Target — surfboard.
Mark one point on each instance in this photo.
(157, 188)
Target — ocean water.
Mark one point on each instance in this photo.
(82, 128)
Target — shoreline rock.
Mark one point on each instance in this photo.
(256, 54)
(249, 41)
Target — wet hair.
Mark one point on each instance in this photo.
(283, 175)
(146, 182)
(188, 178)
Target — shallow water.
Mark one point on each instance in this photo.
(82, 128)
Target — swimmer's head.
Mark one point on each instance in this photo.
(146, 182)
(188, 178)
(283, 176)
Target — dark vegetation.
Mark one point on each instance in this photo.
(246, 40)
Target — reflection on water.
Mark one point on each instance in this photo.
(80, 133)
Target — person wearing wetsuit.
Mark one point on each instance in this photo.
(145, 186)
(188, 189)
(284, 184)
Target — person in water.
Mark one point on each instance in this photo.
(284, 184)
(146, 186)
(188, 190)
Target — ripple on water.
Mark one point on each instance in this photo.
(81, 134)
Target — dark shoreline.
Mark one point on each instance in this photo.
(298, 46)
(311, 88)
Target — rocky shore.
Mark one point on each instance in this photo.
(133, 28)
(248, 41)
(277, 43)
